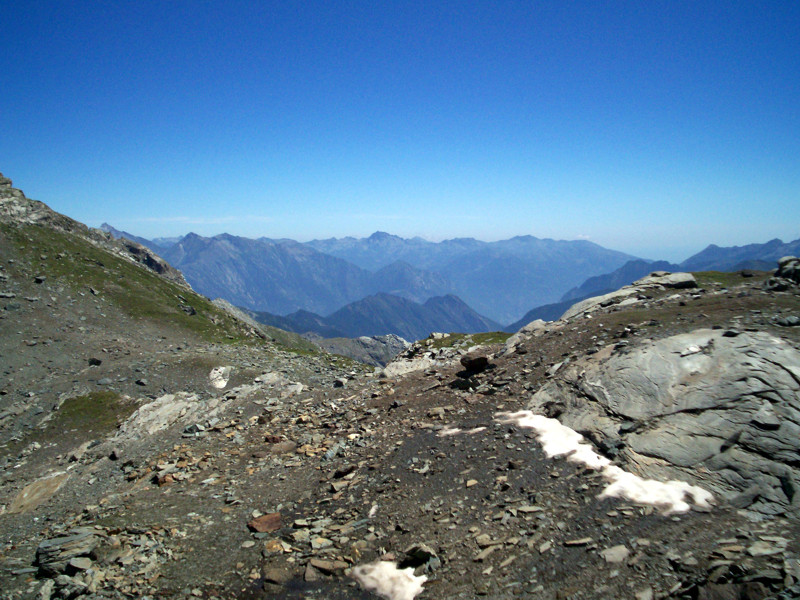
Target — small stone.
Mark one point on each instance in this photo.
(81, 563)
(311, 574)
(338, 486)
(644, 594)
(761, 548)
(474, 363)
(266, 523)
(277, 575)
(483, 554)
(579, 542)
(319, 543)
(329, 567)
(273, 547)
(471, 482)
(283, 448)
(615, 554)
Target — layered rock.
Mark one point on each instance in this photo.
(711, 406)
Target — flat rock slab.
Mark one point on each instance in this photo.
(615, 554)
(266, 523)
(37, 493)
(55, 554)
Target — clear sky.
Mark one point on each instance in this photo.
(649, 127)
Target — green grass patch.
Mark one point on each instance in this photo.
(92, 415)
(708, 279)
(468, 339)
(491, 337)
(140, 293)
(80, 419)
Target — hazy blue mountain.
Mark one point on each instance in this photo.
(284, 276)
(716, 258)
(761, 257)
(301, 321)
(267, 276)
(499, 279)
(166, 242)
(401, 279)
(382, 314)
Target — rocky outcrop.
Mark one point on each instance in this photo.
(377, 350)
(787, 275)
(427, 354)
(712, 406)
(255, 327)
(631, 294)
(789, 268)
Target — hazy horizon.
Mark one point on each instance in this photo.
(651, 129)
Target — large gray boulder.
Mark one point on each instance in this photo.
(721, 411)
(789, 268)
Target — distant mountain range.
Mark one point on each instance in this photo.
(498, 279)
(284, 276)
(387, 284)
(762, 257)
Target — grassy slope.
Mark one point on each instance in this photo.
(137, 291)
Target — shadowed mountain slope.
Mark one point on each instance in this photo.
(383, 314)
(717, 258)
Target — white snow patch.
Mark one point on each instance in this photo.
(373, 511)
(447, 431)
(558, 440)
(389, 582)
(219, 377)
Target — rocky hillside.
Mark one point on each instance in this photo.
(644, 446)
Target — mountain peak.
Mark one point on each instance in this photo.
(381, 236)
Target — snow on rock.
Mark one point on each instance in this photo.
(219, 377)
(448, 431)
(389, 582)
(559, 440)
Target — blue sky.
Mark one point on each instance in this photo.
(649, 127)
